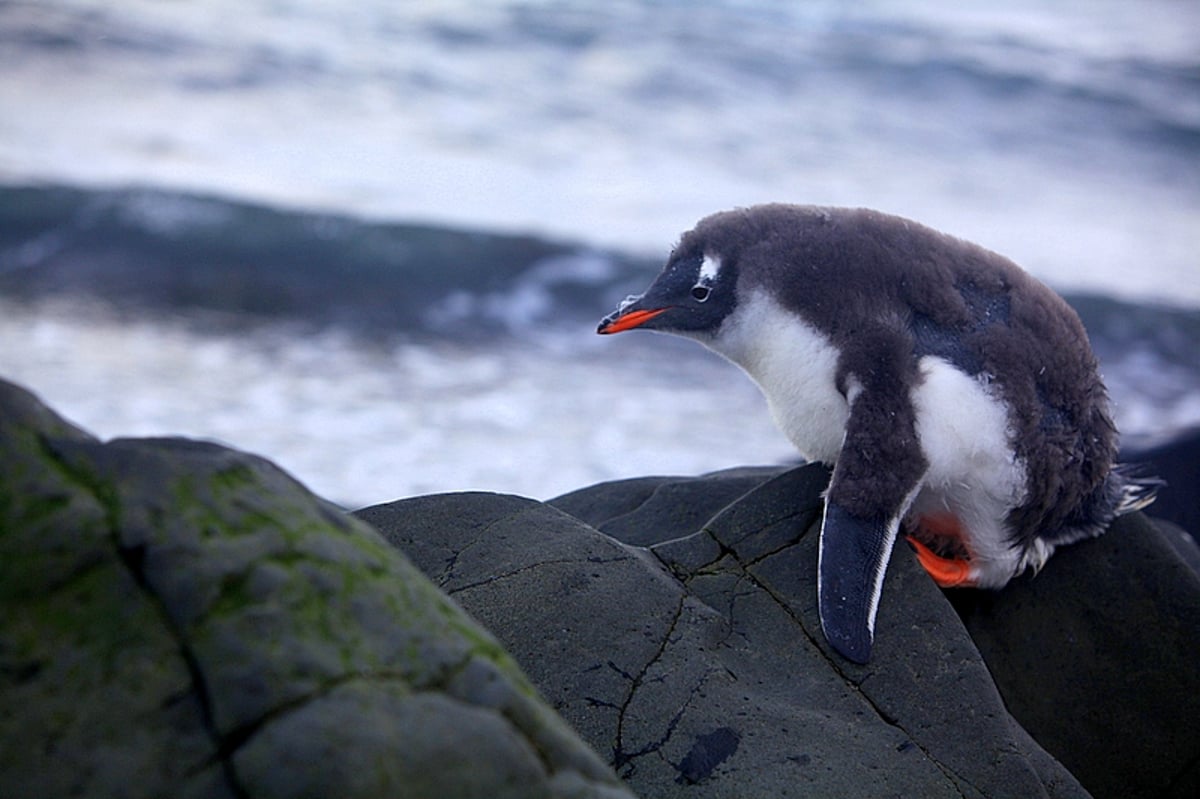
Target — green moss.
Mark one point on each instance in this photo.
(28, 508)
(234, 477)
(98, 617)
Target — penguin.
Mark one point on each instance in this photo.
(956, 398)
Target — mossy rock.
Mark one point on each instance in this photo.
(181, 619)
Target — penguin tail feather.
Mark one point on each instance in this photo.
(1137, 490)
(1126, 489)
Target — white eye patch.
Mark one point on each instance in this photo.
(710, 267)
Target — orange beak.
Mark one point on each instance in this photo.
(628, 321)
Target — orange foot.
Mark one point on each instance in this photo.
(946, 572)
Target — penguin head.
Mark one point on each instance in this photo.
(692, 296)
(697, 292)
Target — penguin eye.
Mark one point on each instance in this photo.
(700, 293)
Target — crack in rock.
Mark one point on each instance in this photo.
(620, 757)
(447, 573)
(818, 644)
(133, 559)
(744, 573)
(493, 578)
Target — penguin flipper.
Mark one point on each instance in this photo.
(878, 473)
(852, 560)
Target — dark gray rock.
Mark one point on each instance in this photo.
(180, 619)
(1097, 656)
(1181, 540)
(697, 664)
(640, 510)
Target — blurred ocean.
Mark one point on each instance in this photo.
(371, 241)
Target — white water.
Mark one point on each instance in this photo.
(1028, 127)
(361, 426)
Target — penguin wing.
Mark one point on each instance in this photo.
(878, 473)
(853, 558)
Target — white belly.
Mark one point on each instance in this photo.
(795, 365)
(973, 473)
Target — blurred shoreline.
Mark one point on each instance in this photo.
(379, 360)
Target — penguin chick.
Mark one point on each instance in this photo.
(952, 393)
